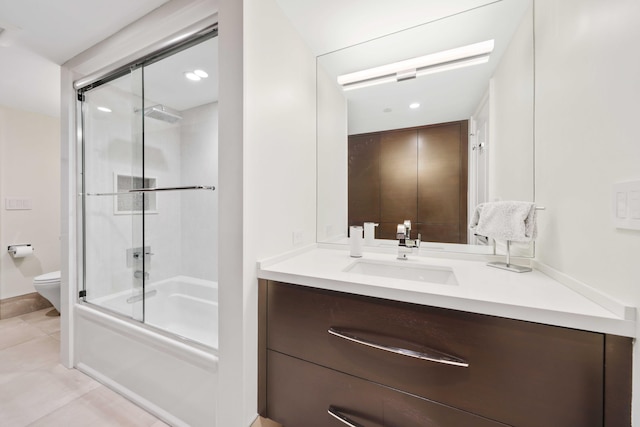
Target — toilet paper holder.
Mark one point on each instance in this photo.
(13, 248)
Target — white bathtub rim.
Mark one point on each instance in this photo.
(140, 332)
(132, 396)
(154, 285)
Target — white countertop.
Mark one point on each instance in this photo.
(531, 296)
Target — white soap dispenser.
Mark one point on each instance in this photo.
(355, 241)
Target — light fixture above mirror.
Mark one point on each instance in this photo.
(451, 59)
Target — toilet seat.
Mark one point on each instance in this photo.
(47, 278)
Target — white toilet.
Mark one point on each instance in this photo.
(48, 285)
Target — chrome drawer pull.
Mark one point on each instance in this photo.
(431, 355)
(342, 418)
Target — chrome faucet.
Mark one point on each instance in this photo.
(405, 243)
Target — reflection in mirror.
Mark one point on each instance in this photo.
(433, 141)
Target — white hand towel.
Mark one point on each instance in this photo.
(513, 221)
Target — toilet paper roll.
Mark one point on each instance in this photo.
(355, 241)
(21, 251)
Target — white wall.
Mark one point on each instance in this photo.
(511, 112)
(234, 405)
(278, 183)
(332, 159)
(511, 120)
(587, 109)
(163, 161)
(280, 139)
(29, 167)
(199, 209)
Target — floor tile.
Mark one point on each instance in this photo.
(34, 394)
(43, 320)
(35, 315)
(7, 323)
(36, 390)
(23, 358)
(100, 407)
(265, 422)
(15, 331)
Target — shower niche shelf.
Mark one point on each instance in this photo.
(126, 202)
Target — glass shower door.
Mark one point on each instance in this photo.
(150, 153)
(112, 133)
(180, 161)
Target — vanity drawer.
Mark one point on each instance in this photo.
(519, 373)
(301, 394)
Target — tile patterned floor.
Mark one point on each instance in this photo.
(35, 390)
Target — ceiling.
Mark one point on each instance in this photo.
(39, 35)
(329, 25)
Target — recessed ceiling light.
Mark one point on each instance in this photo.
(104, 109)
(201, 73)
(414, 105)
(192, 76)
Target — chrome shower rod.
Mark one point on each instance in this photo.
(151, 190)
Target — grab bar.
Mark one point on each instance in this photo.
(150, 190)
(430, 355)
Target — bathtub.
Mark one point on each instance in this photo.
(169, 364)
(182, 305)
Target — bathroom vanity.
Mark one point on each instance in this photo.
(347, 346)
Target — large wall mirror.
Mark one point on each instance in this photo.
(428, 141)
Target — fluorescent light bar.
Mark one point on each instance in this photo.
(464, 56)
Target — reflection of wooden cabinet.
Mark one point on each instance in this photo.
(364, 173)
(519, 373)
(419, 174)
(398, 180)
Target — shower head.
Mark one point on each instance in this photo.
(160, 112)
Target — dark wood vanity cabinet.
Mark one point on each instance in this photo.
(492, 371)
(302, 393)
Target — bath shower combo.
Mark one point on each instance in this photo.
(147, 271)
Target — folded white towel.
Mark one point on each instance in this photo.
(513, 221)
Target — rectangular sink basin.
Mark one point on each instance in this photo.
(396, 270)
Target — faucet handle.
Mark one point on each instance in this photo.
(139, 274)
(401, 232)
